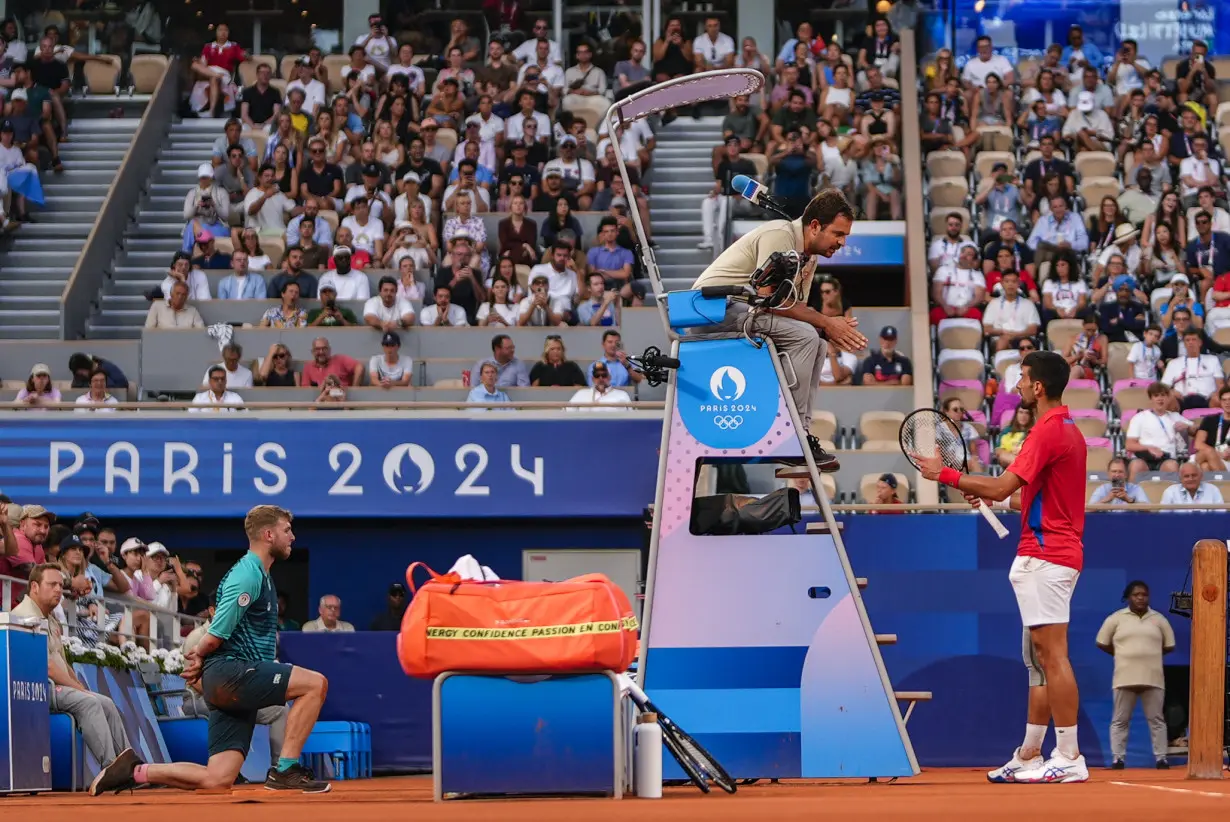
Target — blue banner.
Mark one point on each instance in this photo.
(340, 466)
(878, 250)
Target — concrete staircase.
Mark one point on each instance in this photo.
(38, 258)
(681, 176)
(156, 233)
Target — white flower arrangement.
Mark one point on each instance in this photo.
(126, 657)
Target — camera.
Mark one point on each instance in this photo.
(1118, 484)
(336, 393)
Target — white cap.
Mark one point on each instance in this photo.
(1084, 101)
(156, 548)
(411, 176)
(204, 170)
(19, 94)
(400, 224)
(131, 544)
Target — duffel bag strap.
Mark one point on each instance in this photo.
(445, 578)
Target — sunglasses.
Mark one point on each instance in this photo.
(555, 337)
(601, 375)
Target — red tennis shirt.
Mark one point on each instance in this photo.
(1051, 463)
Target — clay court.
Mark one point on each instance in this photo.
(942, 794)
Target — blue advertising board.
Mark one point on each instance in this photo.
(870, 250)
(412, 467)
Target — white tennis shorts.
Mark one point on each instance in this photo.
(1043, 590)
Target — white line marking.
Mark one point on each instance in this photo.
(1173, 790)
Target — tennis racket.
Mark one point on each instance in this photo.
(927, 433)
(697, 763)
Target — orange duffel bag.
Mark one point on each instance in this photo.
(508, 627)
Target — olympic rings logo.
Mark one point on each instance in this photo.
(728, 423)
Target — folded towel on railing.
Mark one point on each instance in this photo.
(468, 568)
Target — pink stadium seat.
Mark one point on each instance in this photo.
(1097, 442)
(1082, 394)
(1091, 421)
(968, 391)
(1126, 417)
(1197, 413)
(1132, 383)
(977, 417)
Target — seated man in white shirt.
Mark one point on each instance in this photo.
(601, 392)
(216, 397)
(314, 91)
(1206, 201)
(1191, 489)
(385, 312)
(444, 312)
(237, 375)
(562, 283)
(1196, 378)
(960, 288)
(368, 231)
(1012, 316)
(1197, 171)
(1153, 435)
(348, 283)
(945, 250)
(974, 75)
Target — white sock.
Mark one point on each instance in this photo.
(1065, 741)
(1033, 737)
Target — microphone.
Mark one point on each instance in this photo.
(757, 194)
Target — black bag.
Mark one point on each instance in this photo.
(729, 514)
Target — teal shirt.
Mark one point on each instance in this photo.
(246, 617)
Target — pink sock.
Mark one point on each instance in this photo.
(138, 774)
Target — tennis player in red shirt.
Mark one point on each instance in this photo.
(1050, 474)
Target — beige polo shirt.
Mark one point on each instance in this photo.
(1138, 642)
(55, 646)
(161, 315)
(735, 265)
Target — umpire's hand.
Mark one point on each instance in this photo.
(843, 333)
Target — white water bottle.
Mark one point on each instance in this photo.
(647, 767)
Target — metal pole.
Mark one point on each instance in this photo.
(647, 32)
(557, 12)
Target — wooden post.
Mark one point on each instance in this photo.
(1207, 715)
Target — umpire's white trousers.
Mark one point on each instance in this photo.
(1152, 701)
(97, 718)
(713, 217)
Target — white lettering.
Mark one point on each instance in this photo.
(59, 474)
(263, 453)
(342, 486)
(535, 477)
(467, 487)
(228, 468)
(26, 691)
(727, 408)
(131, 474)
(171, 475)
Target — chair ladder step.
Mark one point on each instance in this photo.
(822, 527)
(886, 639)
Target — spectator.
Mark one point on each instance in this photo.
(95, 715)
(1060, 228)
(1117, 490)
(174, 312)
(1088, 127)
(585, 79)
(1208, 253)
(518, 237)
(236, 178)
(838, 367)
(511, 372)
(1172, 344)
(616, 361)
(1125, 315)
(277, 370)
(325, 363)
(836, 99)
(1146, 356)
(538, 308)
(555, 369)
(213, 71)
(1154, 435)
(1001, 201)
(216, 394)
(317, 232)
(207, 209)
(313, 90)
(241, 283)
(1180, 297)
(443, 312)
(600, 391)
(672, 52)
(348, 283)
(28, 534)
(1191, 489)
(793, 163)
(329, 312)
(886, 493)
(462, 275)
(285, 623)
(1198, 171)
(612, 261)
(954, 409)
(1196, 77)
(292, 272)
(332, 394)
(946, 250)
(561, 279)
(320, 179)
(237, 374)
(525, 52)
(1212, 440)
(499, 309)
(83, 367)
(1195, 378)
(886, 366)
(390, 369)
(487, 390)
(1064, 296)
(390, 618)
(368, 232)
(577, 173)
(1164, 258)
(987, 62)
(601, 307)
(97, 397)
(38, 390)
(1010, 316)
(1007, 398)
(261, 102)
(412, 193)
(1088, 351)
(935, 132)
(881, 174)
(1205, 202)
(714, 207)
(329, 621)
(385, 312)
(249, 241)
(1037, 170)
(1013, 436)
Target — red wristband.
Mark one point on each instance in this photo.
(949, 476)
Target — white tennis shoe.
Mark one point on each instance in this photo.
(1057, 769)
(1016, 765)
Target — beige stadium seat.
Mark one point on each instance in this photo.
(330, 217)
(335, 65)
(103, 78)
(275, 248)
(939, 219)
(867, 487)
(881, 446)
(1094, 189)
(1097, 458)
(1223, 138)
(1154, 488)
(452, 382)
(996, 138)
(1221, 485)
(1080, 397)
(1062, 333)
(1171, 65)
(1091, 426)
(946, 164)
(1132, 399)
(1222, 335)
(1117, 365)
(948, 192)
(1092, 485)
(1030, 157)
(259, 138)
(447, 137)
(280, 85)
(823, 425)
(1095, 164)
(986, 160)
(1004, 360)
(247, 69)
(970, 397)
(880, 425)
(224, 244)
(760, 161)
(286, 70)
(961, 364)
(146, 71)
(960, 333)
(829, 484)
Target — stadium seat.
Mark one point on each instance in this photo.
(1220, 481)
(1090, 421)
(1097, 456)
(867, 487)
(761, 162)
(1154, 487)
(1062, 333)
(1130, 395)
(247, 69)
(287, 68)
(259, 138)
(948, 192)
(995, 139)
(1223, 139)
(881, 446)
(1159, 297)
(939, 219)
(961, 364)
(986, 160)
(946, 164)
(447, 137)
(1094, 189)
(978, 420)
(969, 392)
(1117, 365)
(336, 66)
(1125, 417)
(1005, 358)
(1083, 394)
(1197, 414)
(823, 425)
(454, 382)
(880, 425)
(146, 71)
(1095, 164)
(1092, 484)
(960, 333)
(102, 77)
(1222, 335)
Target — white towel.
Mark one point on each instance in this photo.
(469, 568)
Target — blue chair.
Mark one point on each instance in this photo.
(339, 750)
(67, 754)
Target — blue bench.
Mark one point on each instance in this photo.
(67, 754)
(339, 750)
